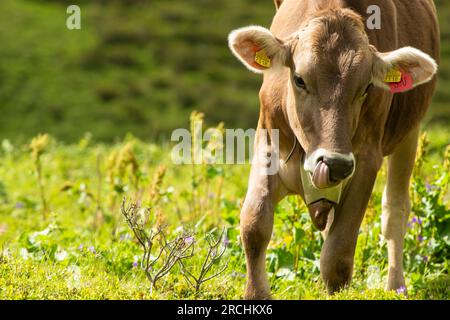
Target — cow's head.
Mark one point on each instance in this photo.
(332, 68)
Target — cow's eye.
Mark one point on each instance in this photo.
(299, 82)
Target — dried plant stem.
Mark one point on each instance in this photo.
(99, 210)
(213, 256)
(194, 197)
(168, 254)
(41, 188)
(219, 194)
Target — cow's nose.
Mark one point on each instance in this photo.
(340, 168)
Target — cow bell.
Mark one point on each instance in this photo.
(319, 201)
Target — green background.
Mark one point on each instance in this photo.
(137, 66)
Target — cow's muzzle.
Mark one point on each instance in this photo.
(330, 170)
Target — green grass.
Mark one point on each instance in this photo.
(83, 248)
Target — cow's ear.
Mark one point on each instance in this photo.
(257, 48)
(278, 3)
(412, 65)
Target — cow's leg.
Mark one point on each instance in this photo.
(336, 260)
(256, 225)
(396, 206)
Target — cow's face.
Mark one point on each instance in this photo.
(332, 69)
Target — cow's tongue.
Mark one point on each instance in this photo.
(321, 175)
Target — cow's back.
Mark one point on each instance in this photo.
(403, 23)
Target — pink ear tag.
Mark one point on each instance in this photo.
(404, 85)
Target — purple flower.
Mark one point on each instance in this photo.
(428, 187)
(425, 259)
(188, 240)
(409, 224)
(92, 249)
(226, 242)
(420, 238)
(401, 290)
(419, 221)
(414, 220)
(236, 274)
(135, 264)
(80, 247)
(125, 237)
(19, 205)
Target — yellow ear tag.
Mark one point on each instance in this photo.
(393, 76)
(262, 59)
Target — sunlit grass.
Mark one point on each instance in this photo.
(83, 248)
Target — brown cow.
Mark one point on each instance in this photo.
(326, 89)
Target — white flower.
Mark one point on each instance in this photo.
(74, 279)
(61, 255)
(24, 253)
(373, 277)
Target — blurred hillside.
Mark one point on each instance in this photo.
(138, 66)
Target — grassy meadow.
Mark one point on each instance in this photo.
(63, 234)
(89, 195)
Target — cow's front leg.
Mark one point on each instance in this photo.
(396, 206)
(336, 260)
(256, 225)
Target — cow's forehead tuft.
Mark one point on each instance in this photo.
(334, 44)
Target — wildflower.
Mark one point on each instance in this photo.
(401, 290)
(409, 224)
(19, 205)
(189, 240)
(38, 145)
(236, 274)
(425, 259)
(428, 187)
(419, 221)
(73, 277)
(226, 242)
(155, 189)
(414, 220)
(3, 228)
(373, 277)
(80, 247)
(61, 255)
(125, 158)
(135, 264)
(92, 249)
(7, 146)
(24, 253)
(420, 238)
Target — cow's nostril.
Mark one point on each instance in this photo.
(339, 168)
